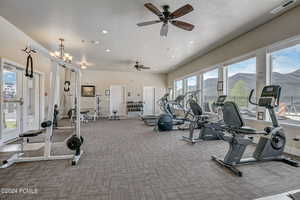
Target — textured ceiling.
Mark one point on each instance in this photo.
(216, 22)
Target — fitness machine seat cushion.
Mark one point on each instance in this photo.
(231, 115)
(31, 133)
(195, 107)
(246, 130)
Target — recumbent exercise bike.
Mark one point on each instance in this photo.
(207, 130)
(269, 148)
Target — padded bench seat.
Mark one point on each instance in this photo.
(31, 133)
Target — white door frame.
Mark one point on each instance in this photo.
(5, 62)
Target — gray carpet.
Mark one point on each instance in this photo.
(127, 160)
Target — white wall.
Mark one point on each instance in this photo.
(133, 81)
(281, 28)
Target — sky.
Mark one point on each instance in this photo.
(287, 60)
(211, 74)
(246, 66)
(9, 77)
(192, 81)
(284, 61)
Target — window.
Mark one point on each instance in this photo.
(10, 92)
(210, 93)
(285, 65)
(191, 84)
(178, 88)
(241, 80)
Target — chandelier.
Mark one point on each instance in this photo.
(61, 54)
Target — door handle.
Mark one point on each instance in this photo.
(20, 101)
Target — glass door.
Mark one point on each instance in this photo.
(12, 102)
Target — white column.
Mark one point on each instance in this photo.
(1, 100)
(261, 74)
(78, 96)
(200, 86)
(53, 97)
(222, 77)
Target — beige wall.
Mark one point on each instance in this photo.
(133, 81)
(281, 28)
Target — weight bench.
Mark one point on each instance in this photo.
(31, 133)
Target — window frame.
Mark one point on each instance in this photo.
(257, 53)
(281, 45)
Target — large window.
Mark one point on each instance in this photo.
(191, 83)
(210, 93)
(178, 88)
(241, 79)
(285, 66)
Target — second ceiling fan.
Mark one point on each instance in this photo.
(167, 17)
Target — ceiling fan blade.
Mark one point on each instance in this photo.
(149, 23)
(183, 25)
(164, 30)
(153, 9)
(182, 11)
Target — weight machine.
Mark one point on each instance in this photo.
(75, 141)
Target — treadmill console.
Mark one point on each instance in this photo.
(270, 96)
(220, 101)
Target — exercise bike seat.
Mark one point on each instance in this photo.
(233, 119)
(31, 133)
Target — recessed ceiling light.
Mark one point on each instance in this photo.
(172, 56)
(107, 50)
(104, 31)
(191, 42)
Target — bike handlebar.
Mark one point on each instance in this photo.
(250, 98)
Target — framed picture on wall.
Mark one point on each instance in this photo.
(88, 91)
(220, 86)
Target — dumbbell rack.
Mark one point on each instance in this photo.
(134, 107)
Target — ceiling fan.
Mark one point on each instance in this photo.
(167, 17)
(139, 67)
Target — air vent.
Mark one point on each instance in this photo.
(283, 6)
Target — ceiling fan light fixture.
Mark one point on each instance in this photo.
(167, 17)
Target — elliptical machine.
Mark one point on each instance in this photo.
(208, 130)
(269, 148)
(168, 121)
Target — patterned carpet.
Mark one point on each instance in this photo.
(127, 160)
